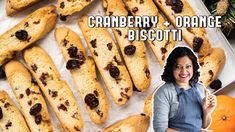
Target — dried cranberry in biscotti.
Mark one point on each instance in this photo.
(96, 93)
(119, 32)
(2, 73)
(34, 67)
(72, 51)
(1, 114)
(163, 50)
(62, 5)
(110, 46)
(38, 119)
(91, 101)
(93, 43)
(176, 5)
(63, 17)
(62, 107)
(216, 84)
(197, 43)
(114, 71)
(135, 9)
(35, 109)
(72, 64)
(129, 50)
(21, 35)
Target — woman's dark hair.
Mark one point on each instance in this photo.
(179, 52)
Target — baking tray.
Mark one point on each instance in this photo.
(136, 103)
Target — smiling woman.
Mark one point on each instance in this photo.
(180, 95)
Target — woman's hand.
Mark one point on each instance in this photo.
(208, 108)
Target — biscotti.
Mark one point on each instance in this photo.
(211, 66)
(14, 6)
(82, 68)
(57, 91)
(29, 97)
(195, 37)
(161, 49)
(135, 123)
(29, 30)
(134, 52)
(68, 7)
(11, 119)
(108, 61)
(148, 105)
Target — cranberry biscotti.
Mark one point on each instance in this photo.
(134, 52)
(29, 30)
(108, 61)
(161, 49)
(11, 119)
(82, 69)
(57, 92)
(29, 97)
(14, 6)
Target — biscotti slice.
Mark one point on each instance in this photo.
(29, 97)
(68, 7)
(135, 123)
(29, 30)
(161, 49)
(82, 68)
(134, 52)
(195, 37)
(57, 91)
(11, 119)
(15, 6)
(148, 105)
(211, 66)
(108, 61)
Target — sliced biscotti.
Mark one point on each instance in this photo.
(211, 66)
(29, 97)
(11, 119)
(108, 61)
(82, 68)
(148, 105)
(57, 91)
(134, 52)
(161, 49)
(195, 37)
(135, 123)
(29, 30)
(15, 6)
(68, 7)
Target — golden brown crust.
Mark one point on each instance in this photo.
(211, 66)
(14, 6)
(148, 104)
(135, 123)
